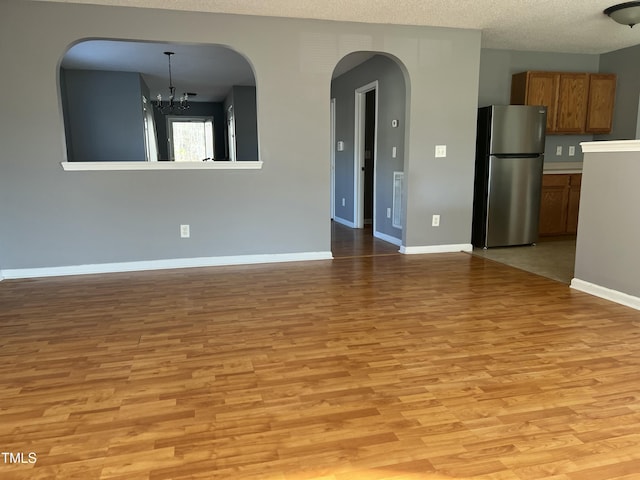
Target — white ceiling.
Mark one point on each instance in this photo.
(570, 26)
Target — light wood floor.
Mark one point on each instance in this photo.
(375, 367)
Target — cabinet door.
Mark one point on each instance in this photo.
(574, 202)
(573, 91)
(602, 95)
(554, 201)
(542, 89)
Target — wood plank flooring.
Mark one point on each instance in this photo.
(379, 367)
(358, 242)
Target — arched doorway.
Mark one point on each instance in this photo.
(368, 98)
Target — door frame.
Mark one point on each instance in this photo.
(358, 153)
(332, 135)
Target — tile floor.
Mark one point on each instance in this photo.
(552, 258)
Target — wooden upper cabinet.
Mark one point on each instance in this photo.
(602, 96)
(537, 88)
(573, 94)
(576, 102)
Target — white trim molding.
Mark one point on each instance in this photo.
(606, 293)
(163, 264)
(119, 166)
(344, 222)
(388, 238)
(611, 146)
(462, 247)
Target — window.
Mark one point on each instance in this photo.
(190, 138)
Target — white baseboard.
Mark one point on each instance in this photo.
(606, 293)
(162, 264)
(388, 238)
(344, 222)
(462, 247)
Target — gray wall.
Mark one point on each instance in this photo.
(626, 64)
(100, 107)
(608, 230)
(52, 217)
(391, 96)
(497, 67)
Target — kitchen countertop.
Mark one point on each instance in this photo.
(562, 167)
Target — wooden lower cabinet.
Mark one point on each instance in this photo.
(559, 204)
(574, 203)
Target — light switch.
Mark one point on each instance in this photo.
(572, 150)
(394, 152)
(441, 151)
(558, 150)
(340, 146)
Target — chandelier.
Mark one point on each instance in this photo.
(173, 105)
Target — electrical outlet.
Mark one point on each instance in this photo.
(558, 150)
(435, 221)
(441, 151)
(394, 152)
(572, 150)
(185, 231)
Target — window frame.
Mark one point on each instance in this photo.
(171, 119)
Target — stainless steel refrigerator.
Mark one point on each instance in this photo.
(508, 175)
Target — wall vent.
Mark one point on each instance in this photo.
(397, 217)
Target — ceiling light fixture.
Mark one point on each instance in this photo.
(627, 13)
(172, 105)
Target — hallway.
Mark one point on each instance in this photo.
(358, 242)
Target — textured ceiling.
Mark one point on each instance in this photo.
(570, 26)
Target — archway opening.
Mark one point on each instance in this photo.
(368, 120)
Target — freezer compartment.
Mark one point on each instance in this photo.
(509, 208)
(512, 129)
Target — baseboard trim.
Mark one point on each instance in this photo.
(462, 247)
(606, 293)
(344, 222)
(162, 264)
(388, 238)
